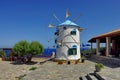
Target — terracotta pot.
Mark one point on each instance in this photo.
(76, 62)
(55, 60)
(60, 62)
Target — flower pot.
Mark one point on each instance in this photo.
(83, 60)
(97, 69)
(55, 60)
(76, 62)
(68, 62)
(60, 62)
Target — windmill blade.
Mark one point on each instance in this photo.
(56, 18)
(50, 25)
(81, 29)
(52, 38)
(77, 17)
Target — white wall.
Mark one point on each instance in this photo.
(62, 52)
(67, 42)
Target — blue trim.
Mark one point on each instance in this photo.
(74, 46)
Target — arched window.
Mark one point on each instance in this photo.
(73, 32)
(73, 50)
(74, 46)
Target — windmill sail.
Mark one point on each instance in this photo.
(77, 17)
(67, 14)
(50, 25)
(56, 18)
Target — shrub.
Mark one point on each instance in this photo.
(60, 61)
(99, 65)
(83, 59)
(23, 47)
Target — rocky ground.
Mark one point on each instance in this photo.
(52, 71)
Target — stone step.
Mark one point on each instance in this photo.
(88, 77)
(84, 78)
(98, 76)
(93, 77)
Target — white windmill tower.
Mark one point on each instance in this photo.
(67, 40)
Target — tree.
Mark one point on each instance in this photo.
(34, 49)
(21, 48)
(29, 49)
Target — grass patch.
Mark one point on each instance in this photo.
(33, 68)
(21, 76)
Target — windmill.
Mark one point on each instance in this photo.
(67, 38)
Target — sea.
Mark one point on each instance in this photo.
(46, 53)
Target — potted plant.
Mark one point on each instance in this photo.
(68, 62)
(77, 61)
(98, 67)
(83, 59)
(55, 60)
(60, 61)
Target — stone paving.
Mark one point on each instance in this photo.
(111, 70)
(53, 71)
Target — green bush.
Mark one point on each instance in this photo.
(33, 68)
(99, 65)
(1, 53)
(23, 47)
(61, 60)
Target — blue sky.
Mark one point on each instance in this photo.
(29, 19)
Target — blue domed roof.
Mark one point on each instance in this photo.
(68, 23)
